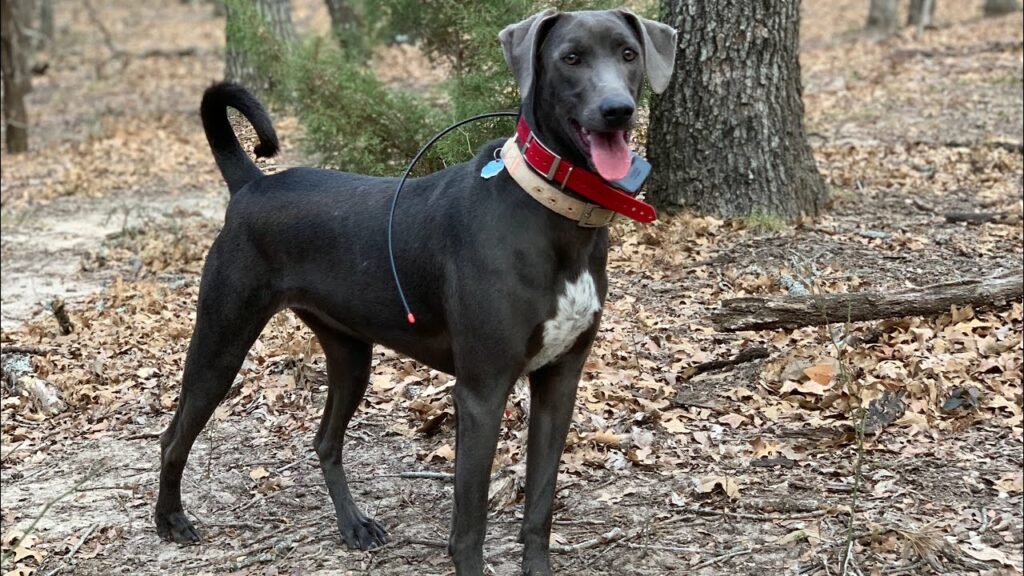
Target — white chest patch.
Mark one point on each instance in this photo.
(573, 315)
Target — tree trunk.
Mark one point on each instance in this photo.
(921, 13)
(882, 15)
(727, 136)
(46, 27)
(239, 65)
(1000, 7)
(14, 51)
(344, 22)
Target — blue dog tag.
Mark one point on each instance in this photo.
(492, 168)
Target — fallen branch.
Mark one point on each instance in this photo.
(613, 535)
(32, 350)
(746, 355)
(756, 313)
(759, 517)
(977, 218)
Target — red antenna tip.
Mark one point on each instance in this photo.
(411, 318)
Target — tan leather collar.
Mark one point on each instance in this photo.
(585, 214)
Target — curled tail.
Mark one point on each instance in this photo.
(235, 165)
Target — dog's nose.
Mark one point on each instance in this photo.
(617, 109)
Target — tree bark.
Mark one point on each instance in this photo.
(14, 52)
(921, 13)
(755, 313)
(883, 15)
(239, 66)
(1001, 7)
(727, 136)
(344, 22)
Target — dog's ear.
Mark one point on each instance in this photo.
(659, 44)
(519, 42)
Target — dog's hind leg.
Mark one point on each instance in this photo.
(348, 372)
(228, 320)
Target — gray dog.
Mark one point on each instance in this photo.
(502, 286)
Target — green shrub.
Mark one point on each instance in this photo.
(355, 123)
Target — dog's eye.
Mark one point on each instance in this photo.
(629, 54)
(571, 59)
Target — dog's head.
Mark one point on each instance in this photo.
(580, 75)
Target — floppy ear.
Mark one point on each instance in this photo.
(659, 44)
(519, 42)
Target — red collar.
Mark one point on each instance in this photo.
(580, 180)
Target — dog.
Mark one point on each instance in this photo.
(502, 286)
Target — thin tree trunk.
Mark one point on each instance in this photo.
(44, 32)
(727, 136)
(239, 65)
(921, 13)
(1001, 7)
(14, 51)
(344, 22)
(883, 15)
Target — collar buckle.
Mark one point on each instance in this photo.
(557, 160)
(604, 218)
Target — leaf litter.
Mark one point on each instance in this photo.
(745, 468)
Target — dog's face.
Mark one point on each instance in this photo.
(582, 72)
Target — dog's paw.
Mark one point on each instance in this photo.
(176, 527)
(537, 567)
(362, 533)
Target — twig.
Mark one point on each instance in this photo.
(49, 504)
(662, 547)
(102, 488)
(293, 464)
(613, 535)
(908, 569)
(443, 476)
(426, 542)
(847, 379)
(88, 533)
(745, 355)
(143, 436)
(920, 205)
(762, 517)
(726, 556)
(70, 555)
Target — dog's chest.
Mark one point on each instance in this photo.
(574, 314)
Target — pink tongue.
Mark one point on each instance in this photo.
(610, 154)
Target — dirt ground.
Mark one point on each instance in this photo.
(750, 469)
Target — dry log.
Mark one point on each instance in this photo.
(755, 313)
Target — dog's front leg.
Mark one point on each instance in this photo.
(552, 399)
(479, 407)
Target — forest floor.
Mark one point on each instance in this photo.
(751, 469)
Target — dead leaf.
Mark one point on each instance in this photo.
(728, 485)
(820, 373)
(258, 473)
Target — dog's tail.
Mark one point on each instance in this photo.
(235, 165)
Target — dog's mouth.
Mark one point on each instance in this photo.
(608, 151)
